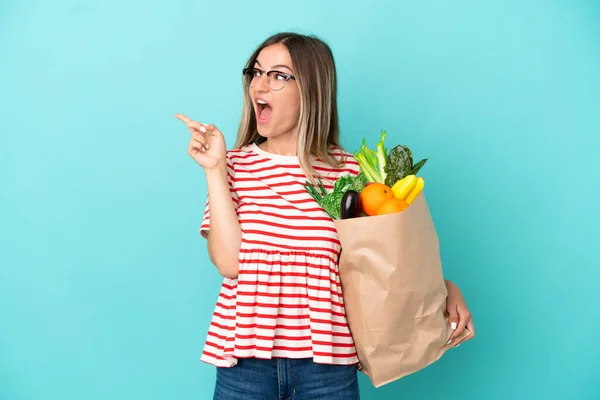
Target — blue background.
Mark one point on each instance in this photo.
(106, 290)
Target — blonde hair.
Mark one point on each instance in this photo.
(318, 127)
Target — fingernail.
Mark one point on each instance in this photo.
(203, 129)
(206, 146)
(453, 326)
(205, 124)
(449, 341)
(457, 345)
(203, 149)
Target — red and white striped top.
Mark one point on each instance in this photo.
(287, 299)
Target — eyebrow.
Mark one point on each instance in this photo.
(275, 66)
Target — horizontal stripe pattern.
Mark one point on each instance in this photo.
(287, 299)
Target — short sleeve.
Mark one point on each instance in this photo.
(205, 225)
(351, 166)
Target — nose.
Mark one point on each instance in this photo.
(262, 84)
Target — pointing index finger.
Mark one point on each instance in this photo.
(182, 118)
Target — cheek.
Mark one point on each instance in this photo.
(292, 107)
(293, 114)
(287, 104)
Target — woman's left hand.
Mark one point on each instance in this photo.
(460, 316)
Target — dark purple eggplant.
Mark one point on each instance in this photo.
(350, 207)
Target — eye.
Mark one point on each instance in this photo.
(280, 77)
(256, 72)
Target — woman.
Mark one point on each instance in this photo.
(279, 328)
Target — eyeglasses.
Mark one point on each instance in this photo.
(275, 79)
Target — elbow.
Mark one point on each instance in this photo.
(226, 260)
(229, 270)
(227, 267)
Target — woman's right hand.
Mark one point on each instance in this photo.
(207, 144)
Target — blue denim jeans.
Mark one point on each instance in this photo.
(286, 379)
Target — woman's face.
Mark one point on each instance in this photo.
(277, 111)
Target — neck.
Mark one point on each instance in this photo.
(284, 145)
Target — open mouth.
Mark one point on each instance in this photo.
(263, 111)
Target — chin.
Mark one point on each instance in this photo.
(266, 132)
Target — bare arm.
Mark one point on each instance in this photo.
(207, 148)
(224, 239)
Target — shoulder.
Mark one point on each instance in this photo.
(236, 157)
(345, 162)
(233, 154)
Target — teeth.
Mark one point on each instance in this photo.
(261, 102)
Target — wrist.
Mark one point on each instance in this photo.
(219, 170)
(449, 284)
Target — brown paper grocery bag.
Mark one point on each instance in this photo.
(394, 291)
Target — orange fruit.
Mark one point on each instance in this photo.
(373, 196)
(391, 206)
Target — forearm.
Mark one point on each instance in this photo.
(450, 286)
(224, 239)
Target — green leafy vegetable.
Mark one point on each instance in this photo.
(343, 183)
(372, 163)
(399, 165)
(418, 166)
(359, 182)
(407, 150)
(332, 204)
